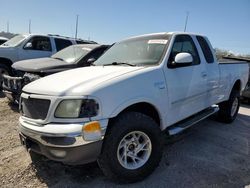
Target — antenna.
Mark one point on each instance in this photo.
(76, 25)
(185, 28)
(8, 24)
(29, 26)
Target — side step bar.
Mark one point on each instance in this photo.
(184, 124)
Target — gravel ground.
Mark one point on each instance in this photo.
(210, 154)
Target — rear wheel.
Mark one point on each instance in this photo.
(132, 148)
(229, 109)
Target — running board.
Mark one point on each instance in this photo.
(184, 124)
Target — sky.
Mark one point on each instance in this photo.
(225, 22)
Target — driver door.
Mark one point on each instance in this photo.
(36, 47)
(186, 83)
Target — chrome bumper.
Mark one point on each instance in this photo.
(69, 148)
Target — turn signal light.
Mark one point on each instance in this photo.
(92, 131)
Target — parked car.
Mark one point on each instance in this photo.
(3, 40)
(32, 46)
(74, 56)
(117, 111)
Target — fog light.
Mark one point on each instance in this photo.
(92, 131)
(58, 153)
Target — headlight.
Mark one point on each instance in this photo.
(77, 108)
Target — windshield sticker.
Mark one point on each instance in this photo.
(158, 41)
(87, 49)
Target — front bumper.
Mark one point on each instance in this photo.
(12, 87)
(68, 148)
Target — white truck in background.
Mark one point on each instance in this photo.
(30, 46)
(116, 111)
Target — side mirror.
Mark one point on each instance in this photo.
(91, 60)
(28, 45)
(183, 58)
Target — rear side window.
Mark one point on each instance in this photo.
(62, 43)
(205, 49)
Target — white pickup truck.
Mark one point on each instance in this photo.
(117, 111)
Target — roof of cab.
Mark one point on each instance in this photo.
(165, 33)
(58, 36)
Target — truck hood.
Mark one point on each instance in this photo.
(39, 64)
(77, 82)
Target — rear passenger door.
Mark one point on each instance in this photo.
(186, 84)
(212, 71)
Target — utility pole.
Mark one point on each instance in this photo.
(186, 22)
(76, 25)
(8, 29)
(29, 26)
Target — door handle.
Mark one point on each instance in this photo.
(203, 74)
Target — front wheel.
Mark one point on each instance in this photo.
(132, 148)
(229, 109)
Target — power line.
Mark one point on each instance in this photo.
(8, 29)
(29, 26)
(76, 25)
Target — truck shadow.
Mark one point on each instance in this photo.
(52, 172)
(56, 173)
(214, 152)
(245, 105)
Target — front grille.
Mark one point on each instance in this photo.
(35, 108)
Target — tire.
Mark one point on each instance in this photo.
(229, 109)
(125, 125)
(3, 70)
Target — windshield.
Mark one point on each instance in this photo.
(72, 53)
(14, 41)
(137, 51)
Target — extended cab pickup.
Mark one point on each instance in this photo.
(116, 111)
(30, 46)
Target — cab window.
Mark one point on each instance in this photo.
(62, 43)
(184, 43)
(38, 43)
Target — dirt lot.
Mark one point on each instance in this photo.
(210, 154)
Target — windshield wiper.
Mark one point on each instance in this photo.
(120, 63)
